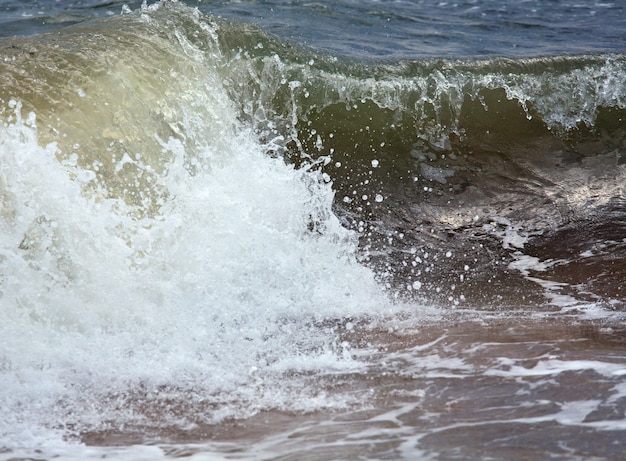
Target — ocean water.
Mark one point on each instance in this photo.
(313, 230)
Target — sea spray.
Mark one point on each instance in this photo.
(154, 256)
(226, 283)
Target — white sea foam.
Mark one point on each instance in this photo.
(221, 288)
(555, 366)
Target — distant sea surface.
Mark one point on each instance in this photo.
(374, 29)
(313, 230)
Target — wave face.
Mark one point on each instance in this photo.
(465, 162)
(195, 212)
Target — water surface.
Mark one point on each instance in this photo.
(294, 230)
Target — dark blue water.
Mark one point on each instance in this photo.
(411, 29)
(394, 29)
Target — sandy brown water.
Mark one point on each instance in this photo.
(512, 388)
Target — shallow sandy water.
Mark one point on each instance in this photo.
(499, 388)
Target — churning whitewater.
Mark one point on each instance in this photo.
(152, 252)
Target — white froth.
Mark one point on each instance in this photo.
(550, 367)
(225, 282)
